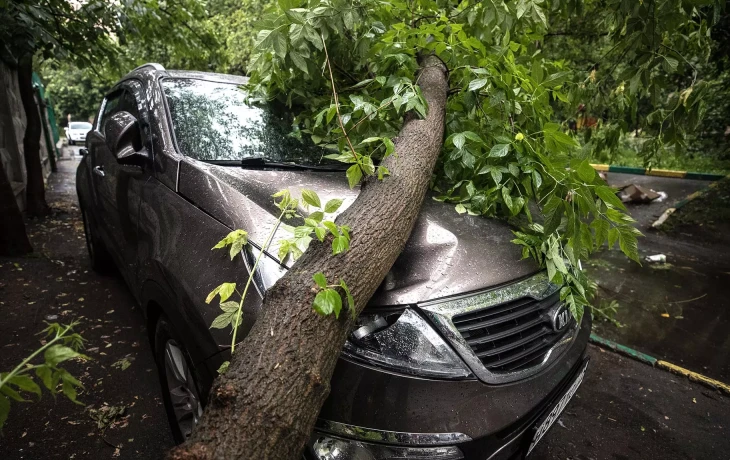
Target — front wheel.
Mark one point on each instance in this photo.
(71, 142)
(179, 389)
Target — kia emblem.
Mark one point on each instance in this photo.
(560, 318)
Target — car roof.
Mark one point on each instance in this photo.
(156, 70)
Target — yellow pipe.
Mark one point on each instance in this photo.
(694, 376)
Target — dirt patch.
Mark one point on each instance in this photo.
(706, 220)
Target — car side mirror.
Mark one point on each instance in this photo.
(123, 139)
(83, 152)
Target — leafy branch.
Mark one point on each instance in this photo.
(324, 302)
(63, 345)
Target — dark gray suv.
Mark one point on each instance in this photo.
(465, 351)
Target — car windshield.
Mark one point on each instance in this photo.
(214, 122)
(78, 125)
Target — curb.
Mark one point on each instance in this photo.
(658, 172)
(661, 364)
(665, 215)
(623, 350)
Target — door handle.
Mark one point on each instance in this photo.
(99, 170)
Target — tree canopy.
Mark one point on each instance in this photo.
(508, 150)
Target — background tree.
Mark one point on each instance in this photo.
(371, 79)
(89, 35)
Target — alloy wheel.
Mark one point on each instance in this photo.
(181, 387)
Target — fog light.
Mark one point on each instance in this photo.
(328, 448)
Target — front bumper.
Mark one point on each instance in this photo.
(496, 421)
(334, 441)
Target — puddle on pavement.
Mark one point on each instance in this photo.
(676, 311)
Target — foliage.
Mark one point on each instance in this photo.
(647, 75)
(86, 47)
(74, 91)
(235, 21)
(328, 300)
(504, 154)
(62, 345)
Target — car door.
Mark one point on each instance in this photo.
(117, 187)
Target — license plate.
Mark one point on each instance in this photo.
(545, 425)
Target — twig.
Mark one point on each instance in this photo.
(337, 101)
(688, 300)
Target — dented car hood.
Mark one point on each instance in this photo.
(448, 253)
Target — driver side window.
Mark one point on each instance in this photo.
(110, 107)
(120, 101)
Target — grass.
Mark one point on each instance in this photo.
(701, 161)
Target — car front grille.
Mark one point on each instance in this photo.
(512, 336)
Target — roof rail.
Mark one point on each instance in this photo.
(152, 64)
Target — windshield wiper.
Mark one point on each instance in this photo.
(263, 162)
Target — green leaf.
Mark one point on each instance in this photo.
(333, 205)
(279, 42)
(350, 299)
(340, 244)
(230, 306)
(222, 321)
(389, 147)
(600, 226)
(477, 84)
(367, 164)
(224, 290)
(553, 212)
(608, 195)
(332, 227)
(224, 367)
(460, 208)
(586, 171)
(45, 374)
(499, 150)
(320, 232)
(56, 354)
(299, 61)
(25, 383)
(628, 243)
(459, 140)
(311, 198)
(10, 393)
(354, 174)
(612, 237)
(328, 301)
(320, 279)
(236, 248)
(316, 216)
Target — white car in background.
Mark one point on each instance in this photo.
(76, 131)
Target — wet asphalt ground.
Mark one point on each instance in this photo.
(677, 311)
(624, 409)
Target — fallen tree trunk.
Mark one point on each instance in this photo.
(266, 404)
(35, 189)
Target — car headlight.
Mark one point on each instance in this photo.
(329, 448)
(404, 342)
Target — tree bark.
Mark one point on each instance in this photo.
(35, 189)
(266, 404)
(13, 239)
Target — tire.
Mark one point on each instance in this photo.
(70, 142)
(180, 392)
(101, 260)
